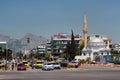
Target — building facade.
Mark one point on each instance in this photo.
(48, 47)
(59, 42)
(41, 49)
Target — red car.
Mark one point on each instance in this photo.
(21, 66)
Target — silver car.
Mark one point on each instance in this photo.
(56, 65)
(48, 66)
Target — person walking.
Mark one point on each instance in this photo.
(12, 66)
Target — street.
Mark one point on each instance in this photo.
(63, 74)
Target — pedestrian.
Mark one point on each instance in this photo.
(12, 66)
(15, 64)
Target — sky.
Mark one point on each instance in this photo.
(49, 17)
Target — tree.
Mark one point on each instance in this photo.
(115, 56)
(64, 55)
(39, 55)
(7, 54)
(115, 52)
(25, 56)
(31, 55)
(67, 51)
(19, 55)
(47, 56)
(71, 48)
(1, 53)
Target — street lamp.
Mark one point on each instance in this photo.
(6, 57)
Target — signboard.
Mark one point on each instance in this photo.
(3, 45)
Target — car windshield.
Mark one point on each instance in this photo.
(39, 62)
(25, 62)
(47, 63)
(55, 63)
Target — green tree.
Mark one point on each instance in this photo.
(31, 55)
(8, 54)
(1, 53)
(19, 55)
(115, 56)
(39, 55)
(9, 51)
(71, 48)
(67, 51)
(115, 52)
(25, 56)
(63, 55)
(47, 56)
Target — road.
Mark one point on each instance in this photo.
(64, 74)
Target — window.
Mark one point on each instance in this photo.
(84, 54)
(101, 53)
(89, 53)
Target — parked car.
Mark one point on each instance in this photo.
(56, 65)
(39, 64)
(25, 63)
(92, 62)
(73, 64)
(48, 66)
(21, 66)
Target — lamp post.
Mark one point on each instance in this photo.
(28, 42)
(6, 57)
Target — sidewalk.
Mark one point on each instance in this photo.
(109, 65)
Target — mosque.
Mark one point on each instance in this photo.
(96, 47)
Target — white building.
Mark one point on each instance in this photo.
(96, 46)
(41, 49)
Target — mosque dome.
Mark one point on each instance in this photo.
(96, 39)
(96, 42)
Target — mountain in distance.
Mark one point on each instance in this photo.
(22, 44)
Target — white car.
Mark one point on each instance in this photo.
(48, 66)
(56, 65)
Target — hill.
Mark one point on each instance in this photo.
(22, 44)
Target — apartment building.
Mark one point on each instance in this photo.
(60, 40)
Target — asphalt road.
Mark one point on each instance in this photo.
(70, 74)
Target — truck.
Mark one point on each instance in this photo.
(80, 58)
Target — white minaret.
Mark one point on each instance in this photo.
(85, 32)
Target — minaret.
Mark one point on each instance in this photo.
(85, 32)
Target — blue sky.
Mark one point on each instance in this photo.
(48, 17)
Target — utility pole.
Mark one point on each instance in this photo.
(28, 42)
(6, 57)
